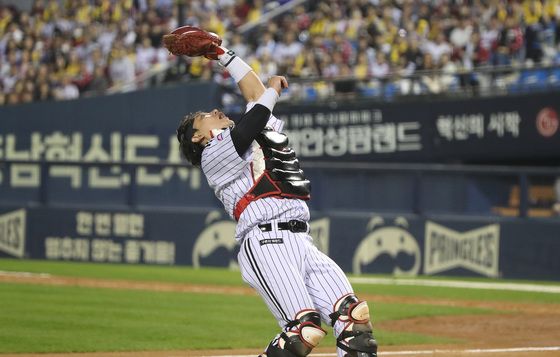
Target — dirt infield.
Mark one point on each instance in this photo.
(523, 329)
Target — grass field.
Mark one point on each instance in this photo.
(49, 318)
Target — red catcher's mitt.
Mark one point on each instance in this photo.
(192, 41)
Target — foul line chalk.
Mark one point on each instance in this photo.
(24, 274)
(430, 352)
(460, 284)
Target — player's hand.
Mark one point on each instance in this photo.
(278, 83)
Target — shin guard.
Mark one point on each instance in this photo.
(301, 335)
(356, 337)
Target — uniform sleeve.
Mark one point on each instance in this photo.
(273, 122)
(221, 163)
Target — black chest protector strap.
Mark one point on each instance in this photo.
(282, 176)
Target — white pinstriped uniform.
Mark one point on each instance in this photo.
(290, 276)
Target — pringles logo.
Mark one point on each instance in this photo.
(476, 250)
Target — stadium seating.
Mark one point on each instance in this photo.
(111, 46)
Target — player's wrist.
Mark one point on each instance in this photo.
(236, 67)
(226, 57)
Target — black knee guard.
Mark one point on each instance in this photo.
(301, 335)
(357, 335)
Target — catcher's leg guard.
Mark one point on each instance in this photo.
(356, 337)
(302, 335)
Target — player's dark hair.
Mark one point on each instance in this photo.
(191, 151)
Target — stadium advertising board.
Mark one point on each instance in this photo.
(100, 149)
(139, 129)
(405, 246)
(444, 130)
(121, 150)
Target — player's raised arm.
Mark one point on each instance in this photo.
(254, 121)
(249, 83)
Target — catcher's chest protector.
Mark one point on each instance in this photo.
(281, 175)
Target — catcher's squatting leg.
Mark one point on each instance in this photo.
(320, 287)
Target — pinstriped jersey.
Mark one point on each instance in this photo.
(232, 176)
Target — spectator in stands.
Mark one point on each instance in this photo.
(460, 35)
(83, 78)
(489, 35)
(448, 78)
(74, 66)
(287, 50)
(431, 79)
(66, 89)
(268, 66)
(302, 18)
(476, 55)
(362, 47)
(121, 67)
(343, 46)
(44, 92)
(547, 37)
(413, 55)
(13, 98)
(99, 82)
(145, 55)
(26, 97)
(9, 80)
(18, 89)
(96, 59)
(238, 45)
(255, 11)
(436, 49)
(331, 65)
(380, 67)
(403, 80)
(533, 46)
(511, 39)
(361, 69)
(267, 45)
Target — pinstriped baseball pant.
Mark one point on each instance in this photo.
(291, 274)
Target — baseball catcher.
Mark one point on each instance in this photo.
(258, 178)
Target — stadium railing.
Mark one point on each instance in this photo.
(478, 82)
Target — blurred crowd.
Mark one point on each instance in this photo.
(436, 42)
(64, 49)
